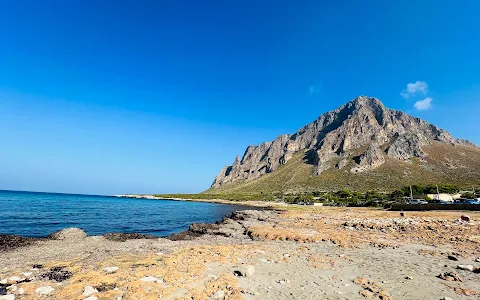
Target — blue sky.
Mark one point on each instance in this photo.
(156, 96)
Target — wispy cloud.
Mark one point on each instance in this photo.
(312, 90)
(415, 88)
(424, 104)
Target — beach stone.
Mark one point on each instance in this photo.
(91, 298)
(3, 291)
(465, 218)
(466, 267)
(20, 291)
(89, 290)
(44, 290)
(12, 288)
(249, 271)
(70, 234)
(110, 270)
(7, 297)
(286, 255)
(220, 295)
(446, 298)
(3, 281)
(151, 279)
(14, 279)
(212, 276)
(477, 260)
(27, 274)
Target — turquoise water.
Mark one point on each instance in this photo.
(39, 214)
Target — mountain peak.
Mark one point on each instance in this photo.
(363, 134)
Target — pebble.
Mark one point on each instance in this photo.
(91, 298)
(20, 291)
(260, 251)
(3, 281)
(478, 259)
(466, 267)
(14, 279)
(446, 298)
(110, 270)
(219, 295)
(212, 276)
(12, 288)
(384, 281)
(27, 274)
(249, 271)
(151, 279)
(89, 290)
(263, 260)
(160, 253)
(44, 290)
(409, 277)
(7, 297)
(286, 255)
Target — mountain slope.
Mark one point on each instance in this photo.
(361, 145)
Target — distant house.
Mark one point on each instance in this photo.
(442, 197)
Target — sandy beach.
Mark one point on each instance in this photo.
(295, 253)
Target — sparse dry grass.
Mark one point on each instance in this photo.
(445, 164)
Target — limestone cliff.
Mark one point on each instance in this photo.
(359, 134)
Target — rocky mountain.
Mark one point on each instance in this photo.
(358, 137)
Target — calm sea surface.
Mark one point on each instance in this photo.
(39, 214)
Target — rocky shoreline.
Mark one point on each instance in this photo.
(301, 253)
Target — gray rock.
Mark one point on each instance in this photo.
(15, 279)
(151, 279)
(110, 270)
(69, 234)
(333, 138)
(89, 290)
(249, 271)
(466, 267)
(44, 290)
(219, 295)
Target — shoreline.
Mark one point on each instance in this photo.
(310, 253)
(259, 204)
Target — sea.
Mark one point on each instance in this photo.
(33, 214)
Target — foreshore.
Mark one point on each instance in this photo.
(259, 204)
(293, 253)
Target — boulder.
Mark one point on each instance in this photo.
(70, 234)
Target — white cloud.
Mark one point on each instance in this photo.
(424, 104)
(414, 88)
(312, 89)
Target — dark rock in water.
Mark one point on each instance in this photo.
(184, 236)
(9, 242)
(68, 234)
(122, 237)
(57, 274)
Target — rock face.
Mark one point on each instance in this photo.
(335, 139)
